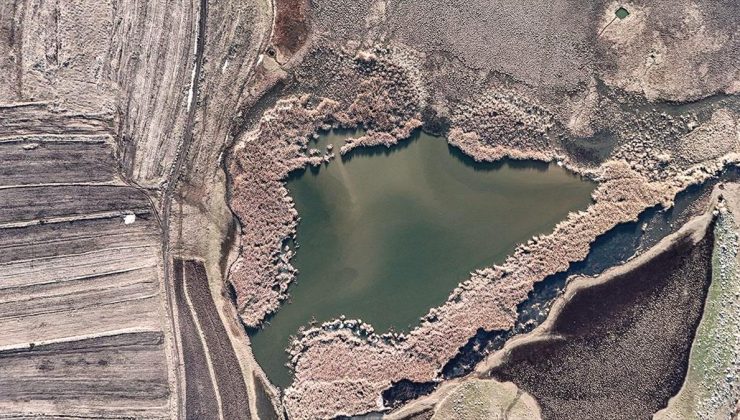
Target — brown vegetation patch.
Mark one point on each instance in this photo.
(334, 357)
(342, 367)
(292, 27)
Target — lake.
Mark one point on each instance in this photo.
(386, 234)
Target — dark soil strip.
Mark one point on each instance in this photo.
(265, 409)
(24, 203)
(231, 386)
(200, 397)
(623, 346)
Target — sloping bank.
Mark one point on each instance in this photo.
(710, 389)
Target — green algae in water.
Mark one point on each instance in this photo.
(386, 234)
(622, 13)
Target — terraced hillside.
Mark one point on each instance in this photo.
(83, 314)
(84, 325)
(104, 107)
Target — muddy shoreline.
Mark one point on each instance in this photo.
(402, 342)
(628, 239)
(536, 338)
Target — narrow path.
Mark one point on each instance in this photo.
(167, 201)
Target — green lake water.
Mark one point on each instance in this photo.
(386, 234)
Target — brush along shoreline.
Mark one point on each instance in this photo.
(342, 366)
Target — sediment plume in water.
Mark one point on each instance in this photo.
(380, 223)
(265, 157)
(369, 363)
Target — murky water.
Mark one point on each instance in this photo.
(386, 234)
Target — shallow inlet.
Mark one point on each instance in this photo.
(386, 234)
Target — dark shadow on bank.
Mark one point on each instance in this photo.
(381, 150)
(485, 166)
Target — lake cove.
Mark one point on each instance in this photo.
(386, 234)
